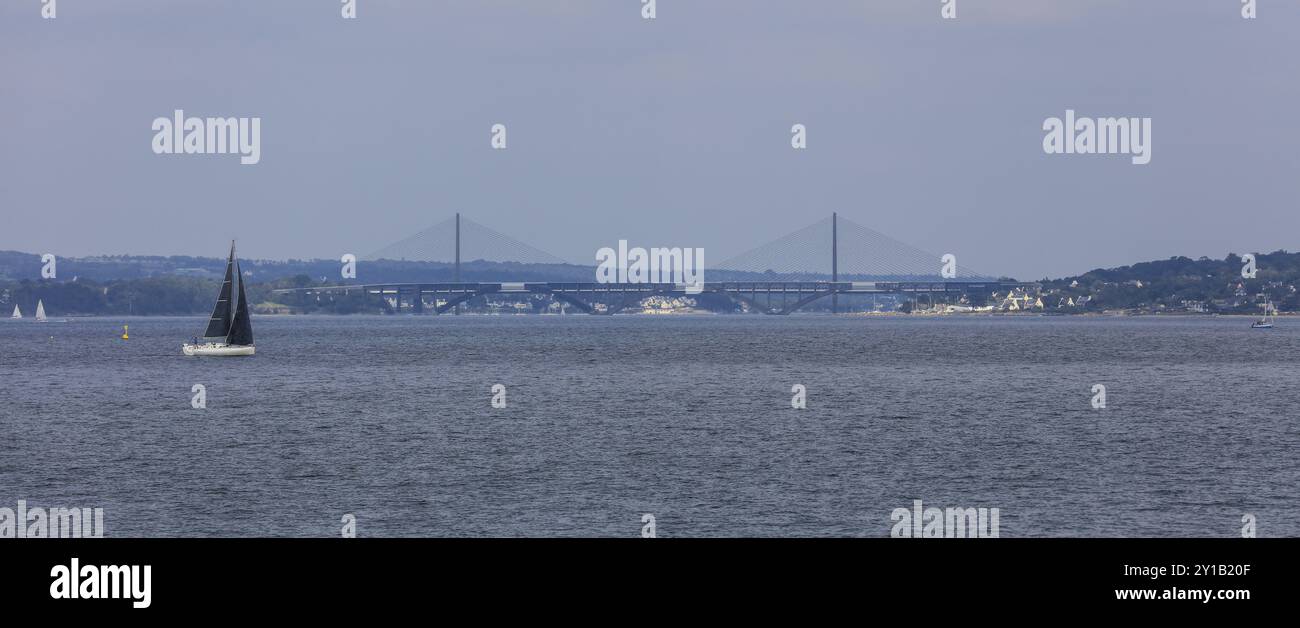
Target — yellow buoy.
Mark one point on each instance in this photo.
(124, 335)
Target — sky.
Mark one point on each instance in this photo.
(674, 131)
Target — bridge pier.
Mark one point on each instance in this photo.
(835, 260)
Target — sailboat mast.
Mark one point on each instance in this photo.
(231, 263)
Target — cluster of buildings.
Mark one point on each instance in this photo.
(649, 305)
(667, 305)
(1241, 297)
(1018, 300)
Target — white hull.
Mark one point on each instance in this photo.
(216, 349)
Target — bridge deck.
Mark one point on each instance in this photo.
(622, 295)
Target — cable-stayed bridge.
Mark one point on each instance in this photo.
(829, 258)
(458, 238)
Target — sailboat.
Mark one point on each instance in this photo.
(230, 326)
(1267, 321)
(17, 313)
(40, 312)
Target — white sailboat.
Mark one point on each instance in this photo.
(40, 311)
(1267, 321)
(229, 324)
(17, 313)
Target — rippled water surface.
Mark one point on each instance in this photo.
(687, 418)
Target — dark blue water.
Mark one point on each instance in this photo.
(687, 418)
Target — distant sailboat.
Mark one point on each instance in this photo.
(17, 313)
(230, 322)
(1267, 321)
(40, 311)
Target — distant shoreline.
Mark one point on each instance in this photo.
(658, 315)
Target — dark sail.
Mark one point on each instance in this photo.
(241, 327)
(219, 324)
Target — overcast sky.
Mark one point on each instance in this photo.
(671, 132)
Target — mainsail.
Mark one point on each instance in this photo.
(241, 327)
(40, 310)
(219, 324)
(17, 313)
